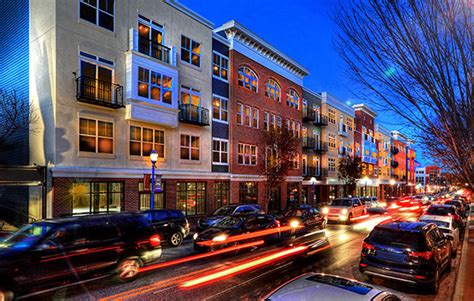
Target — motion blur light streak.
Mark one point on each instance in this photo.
(359, 217)
(242, 267)
(370, 224)
(200, 256)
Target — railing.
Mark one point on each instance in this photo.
(342, 151)
(321, 146)
(308, 114)
(308, 142)
(321, 120)
(343, 130)
(99, 92)
(317, 172)
(193, 114)
(154, 49)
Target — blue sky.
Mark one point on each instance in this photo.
(303, 30)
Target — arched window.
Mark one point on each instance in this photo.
(293, 99)
(272, 89)
(247, 78)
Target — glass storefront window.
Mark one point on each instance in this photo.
(92, 197)
(248, 192)
(191, 198)
(293, 192)
(144, 196)
(221, 194)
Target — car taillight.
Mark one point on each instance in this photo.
(155, 240)
(367, 246)
(278, 224)
(424, 255)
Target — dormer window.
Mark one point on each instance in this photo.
(247, 78)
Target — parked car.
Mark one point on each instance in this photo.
(307, 219)
(446, 225)
(315, 286)
(171, 225)
(344, 209)
(228, 210)
(48, 254)
(232, 230)
(410, 252)
(447, 210)
(369, 201)
(460, 205)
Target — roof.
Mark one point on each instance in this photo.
(187, 11)
(402, 225)
(338, 104)
(234, 29)
(365, 108)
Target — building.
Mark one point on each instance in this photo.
(339, 134)
(411, 166)
(265, 93)
(365, 146)
(383, 139)
(399, 162)
(420, 177)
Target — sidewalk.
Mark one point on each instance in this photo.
(464, 289)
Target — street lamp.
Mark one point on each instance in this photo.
(313, 182)
(153, 159)
(392, 183)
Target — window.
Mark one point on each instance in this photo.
(349, 123)
(255, 118)
(292, 99)
(240, 111)
(247, 154)
(278, 123)
(144, 140)
(248, 192)
(144, 196)
(266, 124)
(96, 78)
(295, 162)
(154, 85)
(248, 111)
(190, 96)
(91, 197)
(332, 116)
(189, 147)
(220, 151)
(191, 198)
(220, 66)
(96, 136)
(298, 129)
(99, 12)
(221, 194)
(272, 122)
(247, 78)
(190, 51)
(331, 164)
(332, 140)
(272, 90)
(150, 39)
(304, 164)
(220, 109)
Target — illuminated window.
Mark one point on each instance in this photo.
(150, 39)
(266, 117)
(247, 154)
(220, 151)
(331, 164)
(332, 140)
(255, 117)
(144, 196)
(332, 116)
(96, 136)
(190, 96)
(304, 165)
(240, 112)
(247, 78)
(221, 194)
(292, 99)
(248, 192)
(247, 114)
(154, 85)
(272, 90)
(189, 149)
(220, 109)
(220, 66)
(191, 198)
(93, 197)
(190, 51)
(144, 140)
(98, 12)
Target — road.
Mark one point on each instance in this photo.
(340, 257)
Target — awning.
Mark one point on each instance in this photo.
(22, 175)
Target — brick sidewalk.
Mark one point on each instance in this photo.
(464, 289)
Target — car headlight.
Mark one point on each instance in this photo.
(195, 236)
(344, 211)
(325, 210)
(221, 237)
(383, 205)
(294, 224)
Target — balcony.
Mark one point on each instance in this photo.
(394, 164)
(308, 142)
(193, 114)
(151, 48)
(317, 172)
(343, 130)
(308, 115)
(342, 152)
(394, 150)
(99, 92)
(320, 120)
(321, 146)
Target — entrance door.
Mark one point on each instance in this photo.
(275, 200)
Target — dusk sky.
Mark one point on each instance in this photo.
(301, 29)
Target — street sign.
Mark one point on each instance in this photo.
(147, 183)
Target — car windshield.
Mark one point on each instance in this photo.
(26, 236)
(228, 222)
(353, 286)
(226, 210)
(341, 202)
(457, 204)
(294, 213)
(439, 211)
(401, 239)
(437, 223)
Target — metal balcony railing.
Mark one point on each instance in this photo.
(321, 146)
(308, 114)
(308, 142)
(321, 120)
(99, 92)
(193, 114)
(154, 49)
(343, 130)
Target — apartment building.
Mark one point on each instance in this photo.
(398, 163)
(112, 83)
(383, 139)
(265, 93)
(420, 177)
(411, 166)
(339, 134)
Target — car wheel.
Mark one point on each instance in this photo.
(434, 285)
(6, 295)
(348, 221)
(128, 269)
(176, 239)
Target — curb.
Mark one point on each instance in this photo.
(460, 277)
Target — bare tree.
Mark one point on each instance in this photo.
(281, 148)
(415, 57)
(16, 114)
(349, 170)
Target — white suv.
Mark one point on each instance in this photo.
(345, 209)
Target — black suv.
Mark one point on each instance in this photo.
(55, 253)
(171, 225)
(307, 218)
(228, 210)
(411, 252)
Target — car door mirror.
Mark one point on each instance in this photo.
(449, 237)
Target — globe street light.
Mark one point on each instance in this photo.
(366, 181)
(153, 159)
(392, 183)
(313, 182)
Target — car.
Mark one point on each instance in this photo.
(403, 205)
(316, 286)
(307, 219)
(446, 225)
(228, 210)
(344, 209)
(445, 210)
(234, 230)
(409, 252)
(49, 254)
(369, 201)
(171, 225)
(460, 205)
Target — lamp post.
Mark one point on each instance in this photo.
(153, 159)
(392, 183)
(313, 182)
